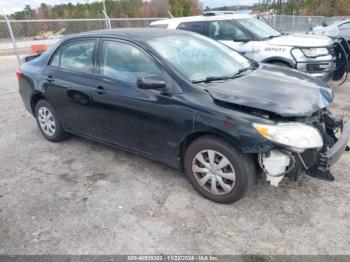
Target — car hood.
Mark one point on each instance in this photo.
(283, 91)
(300, 40)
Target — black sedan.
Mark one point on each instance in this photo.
(187, 101)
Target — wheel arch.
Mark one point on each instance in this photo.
(279, 59)
(36, 97)
(190, 138)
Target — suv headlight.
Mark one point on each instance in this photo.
(315, 52)
(298, 136)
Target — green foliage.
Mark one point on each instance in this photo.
(115, 9)
(185, 7)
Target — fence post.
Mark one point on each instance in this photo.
(108, 20)
(13, 39)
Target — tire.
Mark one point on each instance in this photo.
(241, 165)
(45, 115)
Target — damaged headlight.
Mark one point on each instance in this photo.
(298, 136)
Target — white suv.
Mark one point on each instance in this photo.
(255, 39)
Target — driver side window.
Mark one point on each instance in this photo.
(225, 30)
(125, 62)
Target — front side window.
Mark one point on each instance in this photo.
(77, 56)
(258, 28)
(55, 61)
(198, 57)
(125, 62)
(224, 30)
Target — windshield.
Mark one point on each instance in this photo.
(258, 28)
(198, 57)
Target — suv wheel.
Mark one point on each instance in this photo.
(217, 170)
(48, 122)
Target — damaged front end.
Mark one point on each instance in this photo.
(288, 161)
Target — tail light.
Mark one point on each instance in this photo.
(19, 74)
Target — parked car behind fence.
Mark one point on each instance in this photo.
(318, 56)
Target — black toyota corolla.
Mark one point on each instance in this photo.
(187, 101)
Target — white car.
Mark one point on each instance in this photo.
(255, 39)
(337, 29)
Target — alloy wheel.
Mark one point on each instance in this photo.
(46, 121)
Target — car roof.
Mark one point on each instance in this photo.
(131, 33)
(174, 22)
(337, 23)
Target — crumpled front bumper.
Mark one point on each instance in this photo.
(323, 161)
(330, 157)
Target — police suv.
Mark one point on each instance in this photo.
(318, 56)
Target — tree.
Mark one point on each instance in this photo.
(115, 8)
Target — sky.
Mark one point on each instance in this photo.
(10, 6)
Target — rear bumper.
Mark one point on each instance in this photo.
(330, 157)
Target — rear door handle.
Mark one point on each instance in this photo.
(100, 90)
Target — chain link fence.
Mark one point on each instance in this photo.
(299, 24)
(27, 33)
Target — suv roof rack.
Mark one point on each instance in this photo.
(214, 13)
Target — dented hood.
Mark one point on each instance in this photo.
(283, 91)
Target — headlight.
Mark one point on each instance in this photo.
(295, 135)
(315, 52)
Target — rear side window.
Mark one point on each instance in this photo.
(77, 56)
(197, 27)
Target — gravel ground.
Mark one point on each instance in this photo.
(80, 197)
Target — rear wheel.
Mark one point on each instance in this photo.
(48, 122)
(217, 170)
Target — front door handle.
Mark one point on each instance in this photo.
(49, 78)
(100, 90)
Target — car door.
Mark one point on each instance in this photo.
(125, 114)
(229, 34)
(67, 82)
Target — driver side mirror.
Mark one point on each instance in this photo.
(151, 82)
(241, 38)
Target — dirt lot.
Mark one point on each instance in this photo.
(80, 197)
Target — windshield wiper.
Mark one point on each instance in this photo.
(271, 36)
(218, 78)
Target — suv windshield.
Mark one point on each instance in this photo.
(258, 28)
(198, 57)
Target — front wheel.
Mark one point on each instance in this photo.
(217, 170)
(48, 122)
